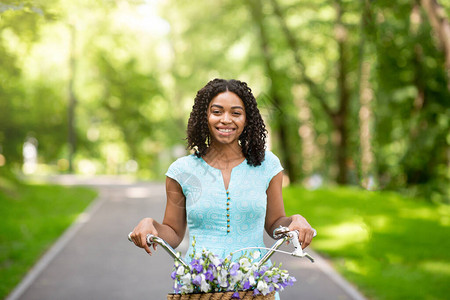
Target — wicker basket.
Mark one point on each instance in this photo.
(221, 296)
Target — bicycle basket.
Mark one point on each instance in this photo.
(221, 296)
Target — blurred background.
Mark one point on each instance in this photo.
(353, 92)
(355, 95)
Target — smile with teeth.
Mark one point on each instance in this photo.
(225, 130)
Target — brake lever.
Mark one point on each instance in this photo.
(293, 238)
(282, 232)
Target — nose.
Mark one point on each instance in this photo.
(225, 118)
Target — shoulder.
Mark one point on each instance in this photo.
(271, 165)
(183, 163)
(270, 158)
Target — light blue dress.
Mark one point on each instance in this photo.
(222, 220)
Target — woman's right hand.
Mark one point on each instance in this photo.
(140, 232)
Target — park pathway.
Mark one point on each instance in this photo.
(94, 260)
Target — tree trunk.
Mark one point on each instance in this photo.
(72, 98)
(441, 27)
(339, 117)
(276, 98)
(367, 161)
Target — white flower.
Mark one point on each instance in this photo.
(252, 280)
(222, 278)
(263, 287)
(186, 279)
(245, 263)
(256, 254)
(186, 289)
(204, 286)
(214, 259)
(180, 270)
(237, 278)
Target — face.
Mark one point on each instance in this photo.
(226, 118)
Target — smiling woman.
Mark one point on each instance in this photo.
(229, 190)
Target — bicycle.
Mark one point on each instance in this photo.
(282, 234)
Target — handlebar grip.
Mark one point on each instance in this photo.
(149, 239)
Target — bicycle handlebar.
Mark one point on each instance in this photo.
(151, 239)
(281, 233)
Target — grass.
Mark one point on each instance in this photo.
(391, 247)
(32, 218)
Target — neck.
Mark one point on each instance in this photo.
(224, 153)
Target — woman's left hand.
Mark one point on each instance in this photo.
(305, 231)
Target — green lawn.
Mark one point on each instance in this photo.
(391, 247)
(32, 218)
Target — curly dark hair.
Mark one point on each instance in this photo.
(252, 139)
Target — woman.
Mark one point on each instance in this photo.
(230, 189)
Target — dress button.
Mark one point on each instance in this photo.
(228, 208)
(228, 203)
(228, 225)
(228, 198)
(228, 220)
(228, 215)
(228, 230)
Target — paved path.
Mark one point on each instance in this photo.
(94, 260)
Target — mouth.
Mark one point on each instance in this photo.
(226, 131)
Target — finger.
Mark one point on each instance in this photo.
(308, 238)
(145, 245)
(134, 238)
(302, 238)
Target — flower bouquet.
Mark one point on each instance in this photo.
(210, 277)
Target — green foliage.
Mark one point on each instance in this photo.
(390, 246)
(33, 217)
(136, 66)
(410, 131)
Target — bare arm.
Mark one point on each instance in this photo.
(276, 215)
(173, 227)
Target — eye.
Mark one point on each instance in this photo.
(237, 113)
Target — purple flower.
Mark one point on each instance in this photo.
(247, 285)
(209, 275)
(196, 265)
(234, 269)
(256, 292)
(197, 280)
(275, 278)
(173, 275)
(236, 295)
